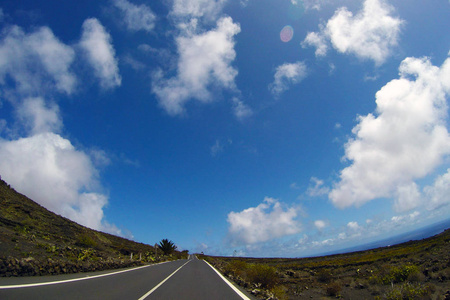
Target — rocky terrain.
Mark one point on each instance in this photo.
(411, 270)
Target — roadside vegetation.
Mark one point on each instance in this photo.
(412, 270)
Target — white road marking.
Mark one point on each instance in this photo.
(71, 280)
(161, 283)
(242, 295)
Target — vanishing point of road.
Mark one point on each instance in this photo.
(182, 279)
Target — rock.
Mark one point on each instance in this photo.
(290, 273)
(360, 286)
(256, 292)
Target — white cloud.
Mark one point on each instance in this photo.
(197, 8)
(317, 40)
(407, 197)
(318, 189)
(320, 224)
(438, 195)
(136, 17)
(262, 223)
(204, 62)
(404, 219)
(43, 165)
(96, 43)
(36, 62)
(48, 169)
(287, 74)
(37, 117)
(240, 109)
(406, 139)
(311, 4)
(353, 226)
(370, 34)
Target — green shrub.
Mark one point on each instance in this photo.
(236, 268)
(410, 291)
(86, 254)
(85, 240)
(399, 274)
(264, 275)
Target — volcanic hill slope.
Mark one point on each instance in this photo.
(35, 241)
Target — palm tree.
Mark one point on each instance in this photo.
(166, 246)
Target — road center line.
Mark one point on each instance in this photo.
(167, 278)
(71, 280)
(235, 289)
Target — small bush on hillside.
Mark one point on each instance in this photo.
(236, 268)
(399, 274)
(85, 241)
(410, 291)
(264, 275)
(334, 289)
(324, 276)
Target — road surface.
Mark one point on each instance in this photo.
(181, 279)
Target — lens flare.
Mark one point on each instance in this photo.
(286, 33)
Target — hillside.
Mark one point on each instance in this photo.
(35, 241)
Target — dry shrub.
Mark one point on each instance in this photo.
(416, 277)
(334, 289)
(324, 276)
(264, 275)
(279, 292)
(236, 268)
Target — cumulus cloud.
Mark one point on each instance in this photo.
(287, 74)
(353, 226)
(317, 40)
(96, 43)
(38, 117)
(48, 169)
(438, 194)
(197, 8)
(406, 139)
(370, 34)
(36, 61)
(204, 62)
(407, 197)
(404, 219)
(320, 224)
(264, 222)
(42, 164)
(136, 17)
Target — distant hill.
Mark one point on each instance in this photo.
(415, 235)
(35, 241)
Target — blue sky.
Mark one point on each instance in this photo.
(259, 128)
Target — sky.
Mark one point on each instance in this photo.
(255, 128)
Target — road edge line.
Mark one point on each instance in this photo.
(235, 289)
(161, 283)
(18, 286)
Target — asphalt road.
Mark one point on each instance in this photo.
(181, 279)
